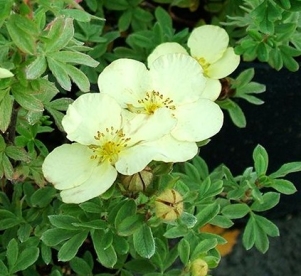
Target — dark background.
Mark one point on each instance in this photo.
(276, 125)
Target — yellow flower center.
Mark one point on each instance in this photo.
(204, 65)
(150, 103)
(108, 145)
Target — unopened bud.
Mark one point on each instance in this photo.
(139, 181)
(199, 268)
(169, 205)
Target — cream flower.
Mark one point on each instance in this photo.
(173, 83)
(105, 143)
(208, 44)
(4, 73)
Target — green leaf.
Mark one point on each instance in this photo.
(43, 196)
(119, 5)
(176, 232)
(46, 253)
(80, 266)
(53, 237)
(203, 247)
(12, 253)
(25, 259)
(267, 226)
(7, 167)
(235, 112)
(144, 242)
(269, 200)
(125, 20)
(129, 225)
(184, 251)
(6, 107)
(60, 104)
(261, 160)
(107, 257)
(222, 222)
(17, 153)
(206, 214)
(60, 33)
(283, 186)
(286, 169)
(24, 232)
(128, 209)
(248, 237)
(24, 95)
(36, 68)
(63, 221)
(23, 32)
(235, 211)
(74, 57)
(3, 269)
(70, 248)
(79, 15)
(58, 69)
(78, 77)
(93, 224)
(8, 219)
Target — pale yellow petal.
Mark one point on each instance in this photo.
(101, 179)
(212, 89)
(134, 159)
(198, 121)
(143, 127)
(208, 42)
(165, 48)
(68, 166)
(90, 113)
(225, 65)
(126, 80)
(169, 149)
(178, 77)
(4, 73)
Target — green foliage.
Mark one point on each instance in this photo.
(56, 50)
(270, 29)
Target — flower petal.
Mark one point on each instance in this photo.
(225, 65)
(68, 166)
(198, 121)
(165, 48)
(88, 114)
(169, 149)
(178, 77)
(125, 80)
(4, 73)
(212, 89)
(208, 42)
(144, 127)
(134, 159)
(100, 181)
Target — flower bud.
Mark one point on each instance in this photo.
(169, 205)
(199, 268)
(139, 181)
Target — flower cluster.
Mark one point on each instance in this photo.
(141, 115)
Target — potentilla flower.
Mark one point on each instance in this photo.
(106, 143)
(174, 82)
(4, 73)
(208, 44)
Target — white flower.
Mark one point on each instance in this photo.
(106, 143)
(173, 83)
(208, 44)
(4, 73)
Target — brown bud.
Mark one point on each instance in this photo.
(169, 205)
(139, 181)
(199, 268)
